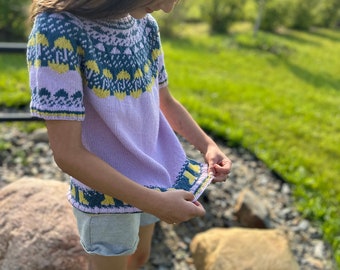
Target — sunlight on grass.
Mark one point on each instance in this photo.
(278, 96)
(14, 89)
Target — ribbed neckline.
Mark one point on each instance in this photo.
(124, 22)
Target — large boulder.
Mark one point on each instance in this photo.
(37, 227)
(242, 249)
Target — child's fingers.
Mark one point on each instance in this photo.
(222, 167)
(221, 170)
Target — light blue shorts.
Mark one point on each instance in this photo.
(111, 234)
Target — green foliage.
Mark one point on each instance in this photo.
(275, 14)
(279, 97)
(302, 14)
(169, 23)
(13, 17)
(299, 14)
(327, 13)
(221, 14)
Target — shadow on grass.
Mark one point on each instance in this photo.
(318, 80)
(333, 35)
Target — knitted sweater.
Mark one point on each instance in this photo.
(107, 74)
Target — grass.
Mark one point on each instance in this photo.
(276, 95)
(13, 81)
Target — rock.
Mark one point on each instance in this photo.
(251, 211)
(230, 249)
(37, 227)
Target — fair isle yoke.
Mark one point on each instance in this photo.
(94, 54)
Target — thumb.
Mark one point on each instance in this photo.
(211, 167)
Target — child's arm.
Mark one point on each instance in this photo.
(72, 157)
(182, 122)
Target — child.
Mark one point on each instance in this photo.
(97, 77)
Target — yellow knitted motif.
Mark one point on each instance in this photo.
(123, 75)
(107, 73)
(55, 114)
(195, 168)
(37, 63)
(41, 39)
(31, 42)
(102, 93)
(108, 200)
(92, 65)
(190, 177)
(137, 93)
(82, 199)
(63, 43)
(156, 53)
(146, 68)
(120, 95)
(60, 68)
(80, 51)
(149, 86)
(138, 74)
(73, 191)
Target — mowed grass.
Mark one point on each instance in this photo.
(13, 81)
(276, 95)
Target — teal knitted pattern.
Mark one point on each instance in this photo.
(112, 58)
(193, 177)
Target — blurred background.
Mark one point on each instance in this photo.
(263, 75)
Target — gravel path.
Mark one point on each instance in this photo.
(24, 154)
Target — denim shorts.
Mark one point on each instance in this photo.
(111, 234)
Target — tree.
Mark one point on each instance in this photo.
(221, 14)
(328, 13)
(275, 14)
(13, 15)
(261, 6)
(302, 14)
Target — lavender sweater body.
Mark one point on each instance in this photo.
(108, 74)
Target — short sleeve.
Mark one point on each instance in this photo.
(53, 58)
(162, 74)
(158, 51)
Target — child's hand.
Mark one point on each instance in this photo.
(176, 206)
(219, 164)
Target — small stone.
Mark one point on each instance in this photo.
(319, 250)
(303, 225)
(314, 263)
(285, 189)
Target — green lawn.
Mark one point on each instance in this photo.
(276, 95)
(13, 80)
